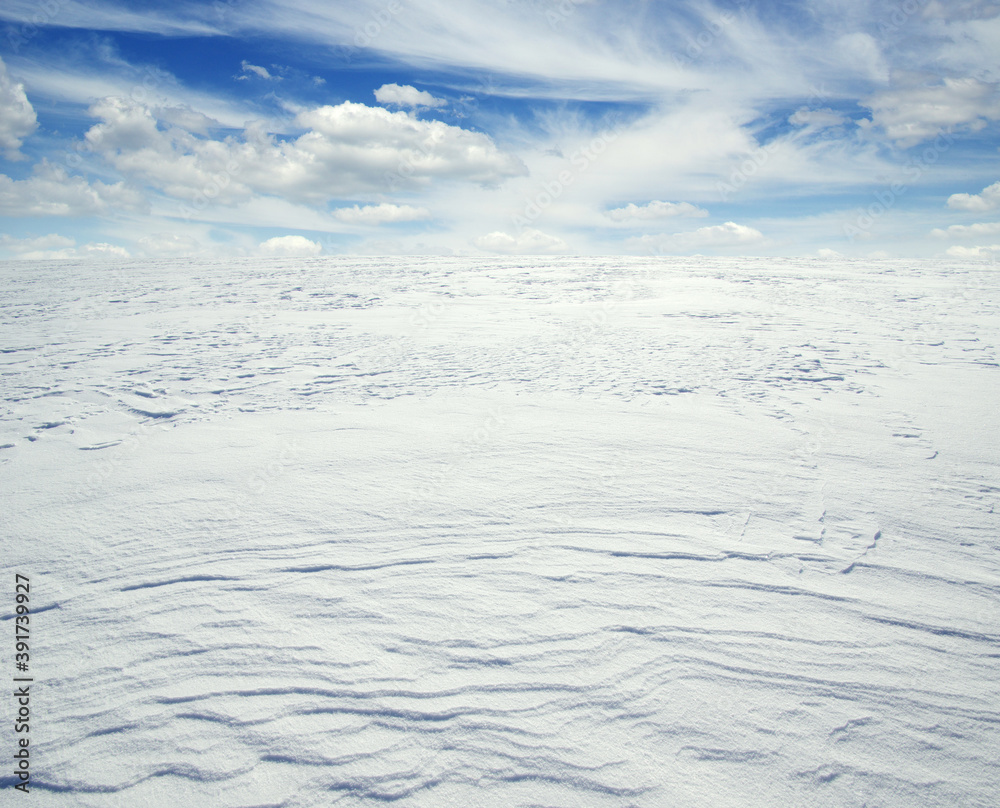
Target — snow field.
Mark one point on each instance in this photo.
(576, 532)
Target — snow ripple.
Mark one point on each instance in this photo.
(590, 532)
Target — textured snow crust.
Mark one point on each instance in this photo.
(464, 532)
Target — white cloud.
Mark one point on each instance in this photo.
(987, 200)
(56, 247)
(656, 210)
(528, 242)
(861, 53)
(127, 126)
(500, 38)
(968, 230)
(17, 116)
(970, 41)
(816, 118)
(593, 48)
(168, 244)
(173, 161)
(725, 235)
(75, 78)
(257, 70)
(962, 9)
(721, 235)
(50, 191)
(406, 96)
(49, 255)
(104, 250)
(827, 254)
(346, 149)
(381, 214)
(985, 251)
(290, 246)
(97, 16)
(369, 142)
(915, 114)
(53, 241)
(186, 118)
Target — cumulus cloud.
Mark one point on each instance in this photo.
(257, 70)
(53, 241)
(17, 116)
(56, 247)
(371, 142)
(169, 244)
(528, 242)
(912, 115)
(729, 234)
(987, 200)
(103, 250)
(381, 214)
(174, 161)
(403, 95)
(290, 246)
(968, 230)
(346, 149)
(720, 235)
(50, 191)
(655, 210)
(984, 251)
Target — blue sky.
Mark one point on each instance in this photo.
(481, 127)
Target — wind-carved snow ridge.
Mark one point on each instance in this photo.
(574, 531)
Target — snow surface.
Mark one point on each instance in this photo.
(525, 532)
